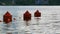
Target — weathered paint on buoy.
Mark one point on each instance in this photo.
(26, 16)
(7, 17)
(37, 14)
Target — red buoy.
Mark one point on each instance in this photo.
(27, 16)
(7, 17)
(37, 14)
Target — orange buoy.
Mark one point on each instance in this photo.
(37, 14)
(7, 17)
(27, 16)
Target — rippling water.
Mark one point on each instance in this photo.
(48, 23)
(36, 26)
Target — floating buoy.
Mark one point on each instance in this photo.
(7, 17)
(27, 16)
(37, 14)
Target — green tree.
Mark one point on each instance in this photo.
(54, 2)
